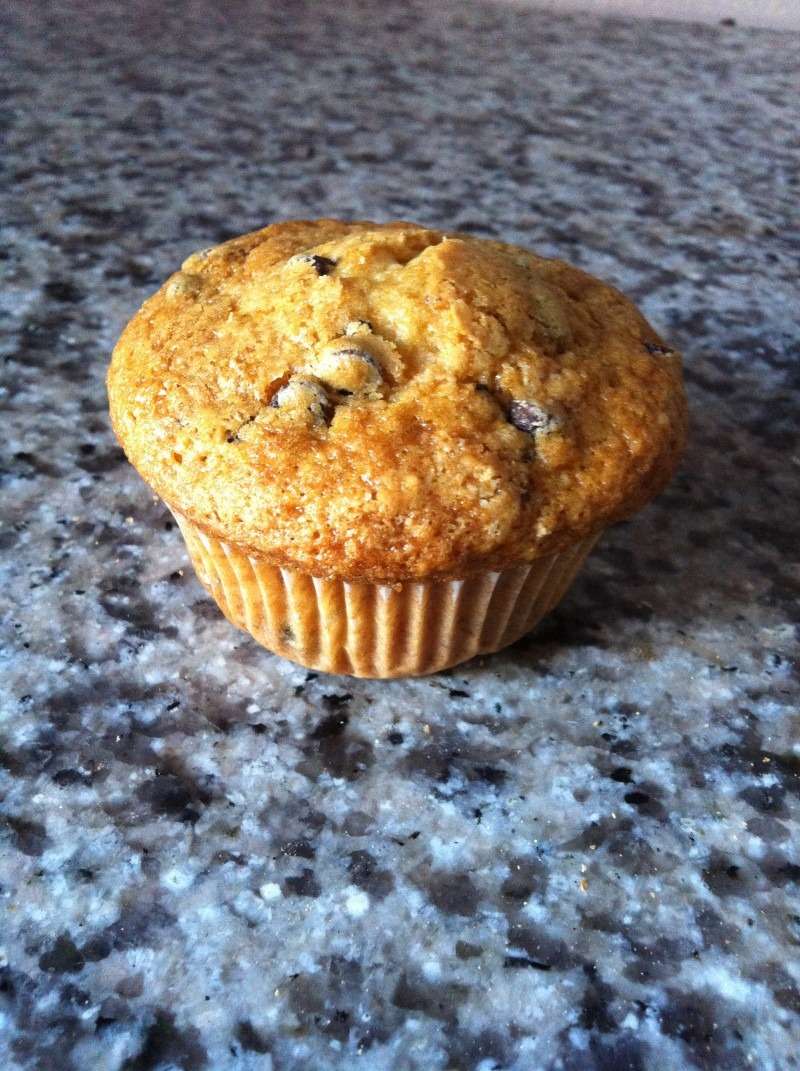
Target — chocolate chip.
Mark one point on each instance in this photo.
(304, 396)
(321, 265)
(656, 350)
(530, 417)
(348, 369)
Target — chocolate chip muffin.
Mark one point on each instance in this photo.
(389, 448)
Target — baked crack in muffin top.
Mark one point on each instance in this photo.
(390, 402)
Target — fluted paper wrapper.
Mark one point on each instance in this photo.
(379, 630)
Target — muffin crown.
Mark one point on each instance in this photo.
(390, 402)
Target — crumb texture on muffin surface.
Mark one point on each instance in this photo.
(387, 402)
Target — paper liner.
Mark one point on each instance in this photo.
(379, 630)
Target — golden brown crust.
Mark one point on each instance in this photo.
(388, 402)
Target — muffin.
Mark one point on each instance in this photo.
(390, 448)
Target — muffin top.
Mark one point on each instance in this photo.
(389, 402)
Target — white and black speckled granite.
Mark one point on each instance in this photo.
(581, 854)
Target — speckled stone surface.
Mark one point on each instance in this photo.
(580, 854)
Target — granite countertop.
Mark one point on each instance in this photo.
(582, 853)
